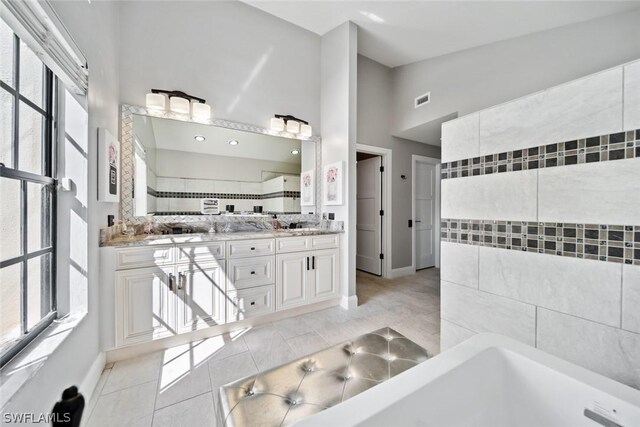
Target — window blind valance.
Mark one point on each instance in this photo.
(37, 24)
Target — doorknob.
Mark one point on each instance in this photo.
(171, 279)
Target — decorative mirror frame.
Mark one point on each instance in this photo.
(127, 159)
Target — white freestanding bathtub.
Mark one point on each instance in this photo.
(490, 381)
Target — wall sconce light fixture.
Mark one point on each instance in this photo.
(291, 124)
(179, 102)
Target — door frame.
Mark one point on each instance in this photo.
(423, 159)
(387, 162)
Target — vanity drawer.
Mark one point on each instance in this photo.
(250, 272)
(292, 244)
(325, 241)
(250, 302)
(204, 252)
(245, 248)
(144, 257)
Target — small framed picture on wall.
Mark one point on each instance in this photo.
(307, 188)
(333, 182)
(108, 167)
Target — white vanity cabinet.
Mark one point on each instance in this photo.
(200, 293)
(145, 304)
(167, 289)
(307, 277)
(159, 301)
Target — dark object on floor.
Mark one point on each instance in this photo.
(68, 411)
(288, 393)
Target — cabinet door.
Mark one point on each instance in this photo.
(325, 271)
(291, 279)
(145, 305)
(200, 296)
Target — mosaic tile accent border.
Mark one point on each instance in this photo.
(616, 146)
(228, 196)
(127, 156)
(610, 243)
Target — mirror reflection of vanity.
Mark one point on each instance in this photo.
(179, 163)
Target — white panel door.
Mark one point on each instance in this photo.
(146, 304)
(200, 296)
(368, 220)
(291, 279)
(425, 206)
(324, 274)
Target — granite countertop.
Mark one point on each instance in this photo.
(172, 239)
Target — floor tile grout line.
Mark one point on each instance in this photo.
(128, 387)
(182, 401)
(98, 396)
(155, 400)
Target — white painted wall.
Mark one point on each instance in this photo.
(171, 163)
(338, 109)
(94, 27)
(375, 94)
(247, 64)
(477, 78)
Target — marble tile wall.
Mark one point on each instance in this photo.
(632, 96)
(566, 302)
(578, 109)
(494, 196)
(484, 312)
(600, 193)
(465, 132)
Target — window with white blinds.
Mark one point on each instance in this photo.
(37, 25)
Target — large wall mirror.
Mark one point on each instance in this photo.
(174, 164)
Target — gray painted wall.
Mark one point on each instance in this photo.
(374, 128)
(247, 64)
(477, 78)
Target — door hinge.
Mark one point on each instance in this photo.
(381, 168)
(381, 212)
(381, 256)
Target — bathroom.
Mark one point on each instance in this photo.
(191, 209)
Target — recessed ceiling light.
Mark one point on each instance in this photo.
(233, 142)
(199, 138)
(295, 152)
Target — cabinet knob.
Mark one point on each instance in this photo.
(253, 303)
(253, 249)
(253, 272)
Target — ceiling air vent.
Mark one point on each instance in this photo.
(422, 99)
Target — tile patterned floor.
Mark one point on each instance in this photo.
(177, 387)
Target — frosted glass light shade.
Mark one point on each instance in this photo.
(179, 105)
(305, 130)
(200, 111)
(156, 101)
(277, 124)
(293, 126)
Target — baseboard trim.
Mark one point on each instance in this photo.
(402, 271)
(88, 385)
(349, 303)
